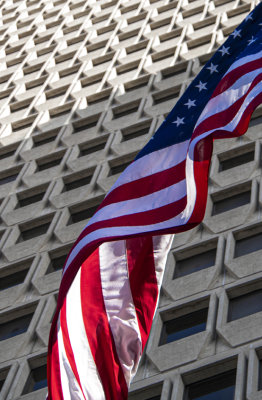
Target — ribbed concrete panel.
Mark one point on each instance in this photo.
(83, 86)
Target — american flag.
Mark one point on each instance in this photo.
(112, 276)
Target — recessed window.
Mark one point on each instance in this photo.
(24, 198)
(46, 164)
(245, 305)
(136, 83)
(36, 380)
(7, 153)
(117, 169)
(196, 263)
(77, 216)
(86, 150)
(3, 375)
(236, 161)
(229, 203)
(8, 179)
(184, 326)
(76, 183)
(260, 375)
(30, 233)
(248, 245)
(217, 387)
(166, 95)
(125, 109)
(16, 276)
(135, 131)
(15, 327)
(86, 123)
(149, 393)
(43, 140)
(58, 259)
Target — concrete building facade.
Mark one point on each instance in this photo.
(83, 86)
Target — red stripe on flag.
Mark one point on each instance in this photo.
(145, 186)
(53, 369)
(149, 217)
(202, 156)
(230, 78)
(98, 331)
(143, 283)
(222, 118)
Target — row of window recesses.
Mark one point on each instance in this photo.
(217, 386)
(173, 329)
(49, 162)
(221, 203)
(187, 261)
(213, 388)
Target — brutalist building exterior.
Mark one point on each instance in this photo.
(83, 86)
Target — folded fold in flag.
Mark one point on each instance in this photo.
(113, 273)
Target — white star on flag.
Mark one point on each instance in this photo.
(201, 86)
(224, 50)
(249, 17)
(190, 103)
(212, 68)
(179, 121)
(250, 41)
(236, 33)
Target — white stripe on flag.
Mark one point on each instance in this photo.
(154, 200)
(146, 165)
(161, 247)
(119, 305)
(224, 100)
(70, 387)
(244, 60)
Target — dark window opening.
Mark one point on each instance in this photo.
(78, 127)
(125, 109)
(195, 263)
(57, 263)
(260, 375)
(15, 327)
(232, 202)
(31, 233)
(245, 305)
(217, 387)
(8, 154)
(2, 381)
(22, 202)
(236, 161)
(184, 326)
(49, 164)
(166, 95)
(8, 179)
(92, 149)
(119, 168)
(13, 279)
(82, 215)
(43, 141)
(37, 380)
(248, 245)
(3, 375)
(77, 183)
(135, 132)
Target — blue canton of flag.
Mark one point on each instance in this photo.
(113, 273)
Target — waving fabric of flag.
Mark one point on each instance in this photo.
(112, 276)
